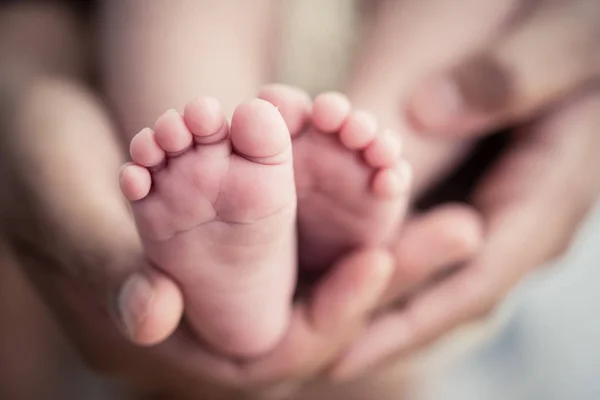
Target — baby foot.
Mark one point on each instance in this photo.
(351, 182)
(215, 207)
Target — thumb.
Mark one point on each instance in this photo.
(534, 65)
(62, 213)
(149, 306)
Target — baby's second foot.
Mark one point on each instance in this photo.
(215, 207)
(352, 184)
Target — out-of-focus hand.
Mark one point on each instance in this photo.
(537, 55)
(537, 71)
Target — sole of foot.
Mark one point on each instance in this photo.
(351, 180)
(215, 206)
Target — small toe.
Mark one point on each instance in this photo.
(204, 118)
(359, 130)
(144, 149)
(383, 151)
(172, 135)
(293, 103)
(389, 183)
(135, 182)
(386, 184)
(330, 111)
(259, 133)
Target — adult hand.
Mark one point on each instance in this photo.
(64, 218)
(539, 54)
(538, 69)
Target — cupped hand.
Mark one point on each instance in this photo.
(64, 218)
(65, 221)
(538, 71)
(86, 262)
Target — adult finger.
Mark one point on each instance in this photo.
(432, 243)
(338, 308)
(321, 326)
(542, 58)
(533, 203)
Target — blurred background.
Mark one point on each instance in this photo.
(547, 349)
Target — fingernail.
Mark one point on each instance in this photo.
(464, 97)
(134, 302)
(436, 104)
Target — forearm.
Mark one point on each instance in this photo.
(61, 211)
(56, 153)
(161, 54)
(57, 144)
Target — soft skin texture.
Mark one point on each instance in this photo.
(351, 179)
(215, 205)
(88, 265)
(83, 255)
(78, 274)
(216, 210)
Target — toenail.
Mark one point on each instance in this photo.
(212, 105)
